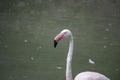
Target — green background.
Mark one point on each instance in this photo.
(28, 27)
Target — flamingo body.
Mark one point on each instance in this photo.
(88, 75)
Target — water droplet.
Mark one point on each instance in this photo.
(116, 69)
(110, 24)
(58, 67)
(107, 29)
(91, 61)
(105, 46)
(40, 47)
(25, 41)
(32, 58)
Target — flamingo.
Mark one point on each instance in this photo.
(87, 75)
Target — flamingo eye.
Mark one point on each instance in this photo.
(65, 33)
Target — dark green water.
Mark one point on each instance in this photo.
(27, 29)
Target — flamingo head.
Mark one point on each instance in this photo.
(62, 34)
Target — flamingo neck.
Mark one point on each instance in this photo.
(69, 60)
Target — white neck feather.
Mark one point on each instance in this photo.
(69, 60)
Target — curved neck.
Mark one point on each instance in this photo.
(69, 60)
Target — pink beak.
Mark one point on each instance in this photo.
(58, 38)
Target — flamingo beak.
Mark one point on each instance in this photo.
(57, 39)
(55, 43)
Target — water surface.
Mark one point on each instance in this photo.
(27, 29)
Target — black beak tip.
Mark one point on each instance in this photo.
(55, 43)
